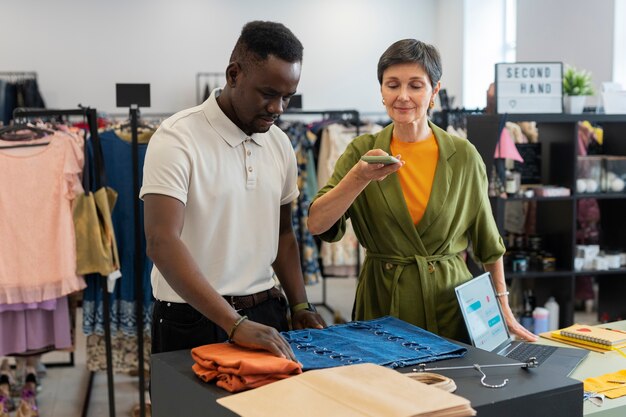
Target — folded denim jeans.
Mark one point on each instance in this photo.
(385, 341)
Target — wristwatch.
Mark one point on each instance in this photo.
(303, 306)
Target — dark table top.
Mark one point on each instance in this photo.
(526, 389)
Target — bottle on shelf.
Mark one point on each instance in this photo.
(513, 183)
(540, 320)
(553, 314)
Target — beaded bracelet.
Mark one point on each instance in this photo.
(502, 294)
(237, 323)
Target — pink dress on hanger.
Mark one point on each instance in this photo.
(37, 242)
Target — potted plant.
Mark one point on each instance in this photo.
(577, 86)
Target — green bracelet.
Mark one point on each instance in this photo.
(303, 306)
(237, 323)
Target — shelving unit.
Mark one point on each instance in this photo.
(556, 218)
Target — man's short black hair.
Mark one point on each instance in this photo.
(259, 39)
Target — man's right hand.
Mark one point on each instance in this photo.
(259, 336)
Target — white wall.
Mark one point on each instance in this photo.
(449, 40)
(576, 32)
(619, 46)
(81, 48)
(483, 48)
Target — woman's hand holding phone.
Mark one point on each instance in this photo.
(377, 165)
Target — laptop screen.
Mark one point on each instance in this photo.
(481, 312)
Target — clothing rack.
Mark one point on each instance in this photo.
(456, 117)
(354, 117)
(92, 120)
(214, 76)
(134, 127)
(71, 362)
(134, 117)
(345, 115)
(143, 116)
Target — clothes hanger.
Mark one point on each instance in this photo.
(23, 133)
(530, 363)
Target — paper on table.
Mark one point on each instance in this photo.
(612, 385)
(348, 391)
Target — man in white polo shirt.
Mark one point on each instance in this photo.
(218, 184)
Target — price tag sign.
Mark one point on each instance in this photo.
(529, 87)
(132, 94)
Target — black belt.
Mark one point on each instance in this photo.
(242, 302)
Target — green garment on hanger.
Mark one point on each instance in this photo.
(410, 271)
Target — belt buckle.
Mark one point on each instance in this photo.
(232, 303)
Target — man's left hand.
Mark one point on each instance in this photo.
(305, 319)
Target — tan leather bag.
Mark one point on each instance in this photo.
(96, 248)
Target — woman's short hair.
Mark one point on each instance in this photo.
(408, 51)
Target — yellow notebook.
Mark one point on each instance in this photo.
(597, 335)
(556, 336)
(598, 347)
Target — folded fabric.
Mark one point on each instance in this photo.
(612, 385)
(385, 341)
(237, 368)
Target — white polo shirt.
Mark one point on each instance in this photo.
(232, 186)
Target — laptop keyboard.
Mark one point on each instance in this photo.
(524, 351)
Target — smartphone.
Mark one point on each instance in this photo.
(380, 159)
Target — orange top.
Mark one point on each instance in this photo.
(237, 368)
(417, 175)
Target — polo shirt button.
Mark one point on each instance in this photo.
(249, 169)
(248, 153)
(431, 268)
(169, 304)
(160, 320)
(388, 265)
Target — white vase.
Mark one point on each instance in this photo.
(574, 104)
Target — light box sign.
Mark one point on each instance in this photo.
(529, 87)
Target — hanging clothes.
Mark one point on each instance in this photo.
(37, 249)
(117, 155)
(339, 258)
(35, 330)
(124, 353)
(18, 91)
(302, 141)
(38, 260)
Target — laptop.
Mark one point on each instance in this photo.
(488, 331)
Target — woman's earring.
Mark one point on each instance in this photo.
(432, 104)
(383, 102)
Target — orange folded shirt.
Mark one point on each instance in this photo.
(237, 368)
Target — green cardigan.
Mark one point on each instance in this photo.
(410, 271)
